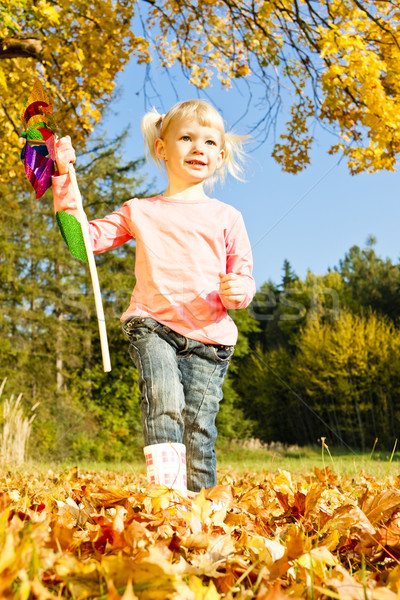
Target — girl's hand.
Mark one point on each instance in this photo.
(231, 286)
(65, 154)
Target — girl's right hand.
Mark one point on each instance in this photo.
(65, 154)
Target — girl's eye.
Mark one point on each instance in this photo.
(211, 143)
(185, 138)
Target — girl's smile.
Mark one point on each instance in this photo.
(197, 163)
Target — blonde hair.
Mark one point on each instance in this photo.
(156, 126)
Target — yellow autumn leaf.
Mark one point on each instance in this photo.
(265, 550)
(48, 10)
(318, 559)
(203, 592)
(7, 552)
(129, 593)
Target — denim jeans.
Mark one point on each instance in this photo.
(180, 381)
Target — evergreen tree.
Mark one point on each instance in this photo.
(371, 281)
(50, 350)
(231, 420)
(330, 364)
(289, 276)
(348, 371)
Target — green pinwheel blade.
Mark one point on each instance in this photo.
(72, 233)
(32, 133)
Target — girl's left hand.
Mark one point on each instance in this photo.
(231, 286)
(65, 154)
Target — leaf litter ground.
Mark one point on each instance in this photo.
(267, 536)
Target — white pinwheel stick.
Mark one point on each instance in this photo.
(93, 271)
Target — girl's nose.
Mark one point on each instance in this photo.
(197, 149)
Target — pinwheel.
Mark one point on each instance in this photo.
(38, 156)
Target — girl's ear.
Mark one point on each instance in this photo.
(159, 148)
(220, 159)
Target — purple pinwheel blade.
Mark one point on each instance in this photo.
(39, 169)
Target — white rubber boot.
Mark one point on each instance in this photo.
(166, 465)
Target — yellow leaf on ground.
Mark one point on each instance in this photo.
(129, 594)
(203, 592)
(7, 553)
(317, 560)
(40, 592)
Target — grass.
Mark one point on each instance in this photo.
(92, 534)
(296, 459)
(233, 457)
(16, 429)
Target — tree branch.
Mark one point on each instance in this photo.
(377, 21)
(21, 48)
(9, 117)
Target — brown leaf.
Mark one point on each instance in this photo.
(382, 506)
(325, 475)
(112, 591)
(198, 541)
(62, 537)
(224, 493)
(346, 586)
(272, 593)
(73, 474)
(349, 517)
(136, 535)
(390, 536)
(40, 592)
(312, 497)
(108, 496)
(148, 541)
(296, 543)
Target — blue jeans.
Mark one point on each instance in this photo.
(180, 381)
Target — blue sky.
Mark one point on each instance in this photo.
(311, 218)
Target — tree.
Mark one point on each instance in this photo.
(231, 421)
(341, 382)
(348, 372)
(328, 60)
(267, 397)
(338, 59)
(282, 311)
(77, 48)
(371, 282)
(289, 276)
(49, 345)
(326, 357)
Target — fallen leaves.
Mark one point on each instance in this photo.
(265, 536)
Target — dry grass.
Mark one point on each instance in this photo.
(16, 429)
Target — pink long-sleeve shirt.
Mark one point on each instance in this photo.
(181, 247)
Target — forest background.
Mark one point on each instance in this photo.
(318, 355)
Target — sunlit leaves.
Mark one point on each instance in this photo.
(337, 60)
(272, 537)
(77, 49)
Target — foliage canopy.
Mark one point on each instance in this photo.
(76, 47)
(335, 61)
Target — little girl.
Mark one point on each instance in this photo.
(193, 261)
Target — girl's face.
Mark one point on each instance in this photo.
(192, 152)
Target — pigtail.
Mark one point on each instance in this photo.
(151, 127)
(234, 156)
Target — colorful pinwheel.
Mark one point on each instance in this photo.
(38, 156)
(38, 152)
